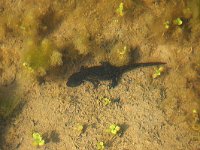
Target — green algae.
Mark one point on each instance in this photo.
(38, 58)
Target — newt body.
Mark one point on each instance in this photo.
(105, 71)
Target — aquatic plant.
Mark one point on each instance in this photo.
(166, 24)
(158, 72)
(100, 146)
(120, 55)
(120, 9)
(38, 58)
(113, 129)
(38, 141)
(177, 21)
(79, 128)
(106, 101)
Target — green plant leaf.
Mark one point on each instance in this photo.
(158, 72)
(38, 141)
(37, 136)
(41, 143)
(119, 10)
(100, 146)
(178, 21)
(166, 24)
(114, 129)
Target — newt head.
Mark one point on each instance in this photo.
(75, 80)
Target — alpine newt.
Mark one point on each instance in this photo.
(105, 71)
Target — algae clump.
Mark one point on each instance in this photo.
(40, 57)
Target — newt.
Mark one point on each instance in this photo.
(105, 71)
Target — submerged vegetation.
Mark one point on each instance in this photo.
(100, 146)
(79, 128)
(38, 140)
(47, 39)
(177, 21)
(105, 100)
(113, 129)
(166, 24)
(38, 58)
(120, 55)
(158, 72)
(120, 9)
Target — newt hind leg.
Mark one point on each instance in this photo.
(115, 81)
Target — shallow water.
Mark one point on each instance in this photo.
(43, 42)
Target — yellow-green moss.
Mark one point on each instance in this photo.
(39, 57)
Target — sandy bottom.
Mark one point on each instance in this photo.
(153, 114)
